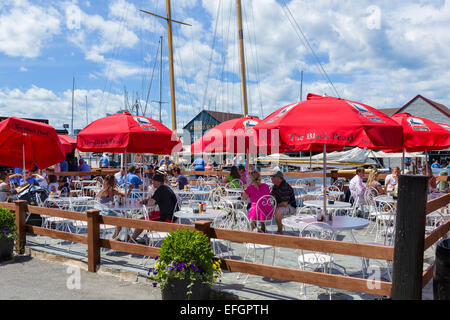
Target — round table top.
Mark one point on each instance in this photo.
(385, 198)
(234, 190)
(339, 223)
(320, 193)
(67, 199)
(192, 192)
(319, 204)
(187, 213)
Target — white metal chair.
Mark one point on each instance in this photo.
(311, 259)
(265, 212)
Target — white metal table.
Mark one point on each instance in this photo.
(335, 205)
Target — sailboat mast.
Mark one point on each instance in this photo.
(160, 80)
(73, 96)
(172, 77)
(242, 58)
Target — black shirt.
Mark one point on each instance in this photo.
(166, 200)
(284, 193)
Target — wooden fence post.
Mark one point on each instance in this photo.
(409, 238)
(204, 226)
(20, 211)
(93, 239)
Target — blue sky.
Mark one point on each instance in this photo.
(382, 53)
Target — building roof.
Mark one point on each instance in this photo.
(389, 111)
(442, 108)
(223, 116)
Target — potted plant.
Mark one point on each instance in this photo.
(185, 268)
(8, 233)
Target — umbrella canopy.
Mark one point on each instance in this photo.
(67, 142)
(37, 141)
(232, 136)
(330, 121)
(127, 133)
(421, 134)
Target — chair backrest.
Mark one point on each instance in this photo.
(306, 210)
(235, 220)
(317, 230)
(265, 207)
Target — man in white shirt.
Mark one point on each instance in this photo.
(357, 186)
(119, 176)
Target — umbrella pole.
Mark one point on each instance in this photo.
(23, 160)
(403, 161)
(126, 173)
(324, 179)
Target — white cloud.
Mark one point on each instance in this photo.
(23, 69)
(25, 28)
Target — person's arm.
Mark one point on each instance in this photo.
(245, 195)
(386, 183)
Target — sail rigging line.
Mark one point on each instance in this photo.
(212, 52)
(305, 41)
(114, 55)
(151, 79)
(258, 79)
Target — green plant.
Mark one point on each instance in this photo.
(8, 229)
(185, 254)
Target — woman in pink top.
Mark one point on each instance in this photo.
(255, 191)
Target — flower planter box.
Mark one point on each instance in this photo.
(6, 249)
(176, 289)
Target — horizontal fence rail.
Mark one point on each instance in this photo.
(95, 243)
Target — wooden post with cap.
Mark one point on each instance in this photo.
(20, 212)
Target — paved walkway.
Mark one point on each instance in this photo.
(31, 278)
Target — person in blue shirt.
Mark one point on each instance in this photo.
(448, 163)
(435, 164)
(104, 161)
(64, 166)
(33, 178)
(199, 165)
(83, 166)
(181, 179)
(133, 181)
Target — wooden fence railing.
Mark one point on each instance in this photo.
(95, 243)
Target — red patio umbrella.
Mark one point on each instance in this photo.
(68, 143)
(26, 143)
(330, 121)
(125, 132)
(421, 134)
(320, 122)
(233, 136)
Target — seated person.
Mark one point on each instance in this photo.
(181, 180)
(436, 164)
(133, 181)
(432, 185)
(256, 191)
(5, 187)
(106, 195)
(285, 196)
(233, 178)
(84, 167)
(166, 200)
(391, 180)
(32, 177)
(119, 176)
(243, 174)
(356, 185)
(109, 190)
(53, 185)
